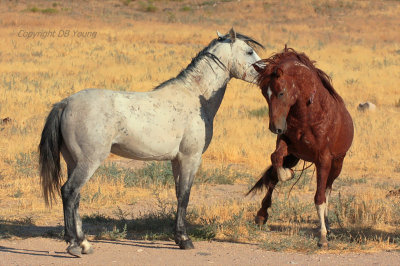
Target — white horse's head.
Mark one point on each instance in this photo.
(236, 52)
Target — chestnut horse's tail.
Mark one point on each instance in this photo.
(270, 175)
(264, 181)
(49, 153)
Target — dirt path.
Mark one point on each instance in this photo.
(44, 251)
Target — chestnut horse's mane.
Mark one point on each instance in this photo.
(288, 54)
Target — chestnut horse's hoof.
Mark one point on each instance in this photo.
(186, 244)
(260, 220)
(75, 250)
(323, 245)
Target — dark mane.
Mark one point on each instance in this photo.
(206, 54)
(248, 40)
(288, 54)
(202, 54)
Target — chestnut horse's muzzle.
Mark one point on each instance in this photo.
(278, 128)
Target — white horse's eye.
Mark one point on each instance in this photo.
(250, 52)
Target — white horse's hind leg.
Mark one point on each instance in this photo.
(70, 192)
(86, 247)
(188, 168)
(84, 244)
(69, 234)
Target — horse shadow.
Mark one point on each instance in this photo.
(25, 228)
(356, 235)
(102, 229)
(137, 231)
(33, 252)
(150, 226)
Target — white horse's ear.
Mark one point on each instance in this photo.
(219, 35)
(232, 35)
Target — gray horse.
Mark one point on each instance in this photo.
(173, 122)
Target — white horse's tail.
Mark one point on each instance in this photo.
(49, 154)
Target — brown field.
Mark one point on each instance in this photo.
(139, 44)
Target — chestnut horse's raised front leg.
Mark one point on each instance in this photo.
(281, 151)
(270, 179)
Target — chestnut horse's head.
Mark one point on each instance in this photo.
(278, 88)
(280, 78)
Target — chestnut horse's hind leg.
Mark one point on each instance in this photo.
(323, 170)
(336, 168)
(270, 179)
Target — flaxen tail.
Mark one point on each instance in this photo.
(49, 154)
(261, 183)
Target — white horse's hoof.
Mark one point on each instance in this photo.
(86, 247)
(75, 250)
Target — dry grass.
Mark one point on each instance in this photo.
(139, 44)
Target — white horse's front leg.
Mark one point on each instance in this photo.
(188, 166)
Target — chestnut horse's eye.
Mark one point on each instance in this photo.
(280, 95)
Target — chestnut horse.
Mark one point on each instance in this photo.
(312, 124)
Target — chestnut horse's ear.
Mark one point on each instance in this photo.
(259, 67)
(232, 35)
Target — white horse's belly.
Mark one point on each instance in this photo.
(142, 154)
(148, 129)
(136, 144)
